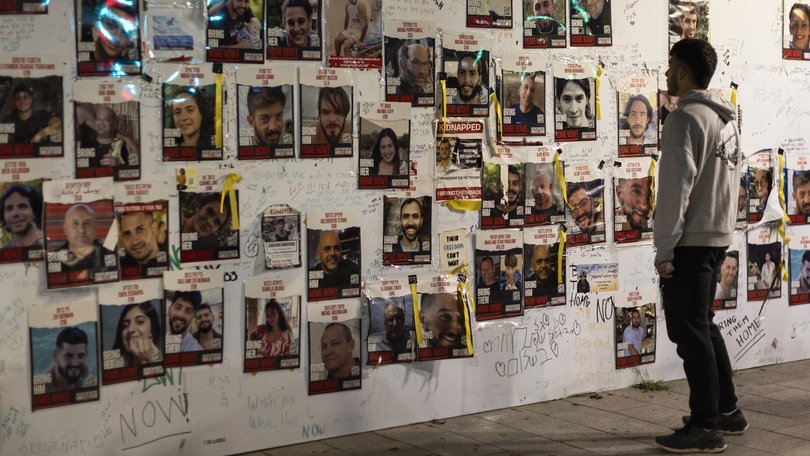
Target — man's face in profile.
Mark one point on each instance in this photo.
(394, 322)
(139, 236)
(635, 318)
(582, 209)
(331, 119)
(802, 196)
(181, 312)
(805, 273)
(593, 7)
(487, 271)
(541, 263)
(71, 361)
(204, 319)
(410, 220)
(689, 25)
(545, 10)
(728, 272)
(541, 191)
(469, 79)
(329, 252)
(634, 197)
(637, 119)
(416, 70)
(80, 227)
(267, 123)
(445, 320)
(18, 215)
(336, 351)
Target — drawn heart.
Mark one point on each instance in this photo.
(500, 368)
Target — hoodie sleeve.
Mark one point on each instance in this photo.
(676, 177)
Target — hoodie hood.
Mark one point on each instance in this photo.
(712, 98)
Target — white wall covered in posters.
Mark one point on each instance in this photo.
(547, 354)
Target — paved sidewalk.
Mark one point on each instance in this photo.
(775, 399)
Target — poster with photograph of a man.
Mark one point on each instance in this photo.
(459, 157)
(24, 7)
(444, 315)
(799, 267)
(499, 282)
(796, 30)
(334, 346)
(504, 200)
(266, 109)
(407, 229)
(21, 235)
(206, 227)
(272, 323)
(131, 331)
(143, 223)
(108, 39)
(590, 23)
(725, 295)
(409, 62)
(585, 217)
(31, 112)
(543, 269)
(544, 195)
(635, 335)
(195, 309)
(688, 19)
(634, 188)
(294, 30)
(574, 102)
(797, 180)
(281, 233)
(191, 108)
(465, 68)
(523, 97)
(638, 118)
(391, 334)
(235, 31)
(385, 152)
(80, 242)
(326, 113)
(496, 14)
(64, 361)
(761, 179)
(107, 129)
(544, 23)
(353, 33)
(764, 278)
(333, 255)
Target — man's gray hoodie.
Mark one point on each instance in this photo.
(699, 175)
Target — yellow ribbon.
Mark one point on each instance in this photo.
(460, 269)
(464, 292)
(599, 70)
(560, 252)
(229, 189)
(561, 176)
(782, 221)
(464, 205)
(444, 104)
(734, 95)
(417, 324)
(651, 174)
(218, 110)
(497, 111)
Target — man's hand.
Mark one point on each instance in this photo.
(665, 269)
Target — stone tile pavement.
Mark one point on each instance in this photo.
(776, 400)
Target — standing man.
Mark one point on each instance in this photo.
(22, 209)
(700, 166)
(410, 222)
(180, 313)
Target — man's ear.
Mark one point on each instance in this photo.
(250, 120)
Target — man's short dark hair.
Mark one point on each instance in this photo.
(477, 61)
(297, 4)
(575, 188)
(487, 259)
(23, 88)
(699, 57)
(336, 97)
(733, 254)
(643, 99)
(800, 6)
(513, 170)
(194, 297)
(33, 196)
(204, 306)
(806, 256)
(71, 335)
(264, 97)
(411, 201)
(800, 177)
(347, 333)
(560, 83)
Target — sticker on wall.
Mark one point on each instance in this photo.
(504, 201)
(764, 278)
(544, 266)
(638, 111)
(132, 321)
(452, 251)
(688, 19)
(108, 39)
(634, 188)
(21, 228)
(209, 211)
(465, 70)
(175, 32)
(391, 334)
(459, 153)
(31, 107)
(294, 30)
(574, 101)
(499, 262)
(334, 346)
(273, 322)
(142, 212)
(522, 94)
(235, 32)
(326, 113)
(266, 109)
(496, 14)
(585, 217)
(544, 23)
(354, 33)
(64, 364)
(195, 309)
(409, 62)
(635, 335)
(281, 233)
(597, 277)
(333, 255)
(545, 203)
(108, 129)
(385, 139)
(192, 113)
(590, 23)
(80, 233)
